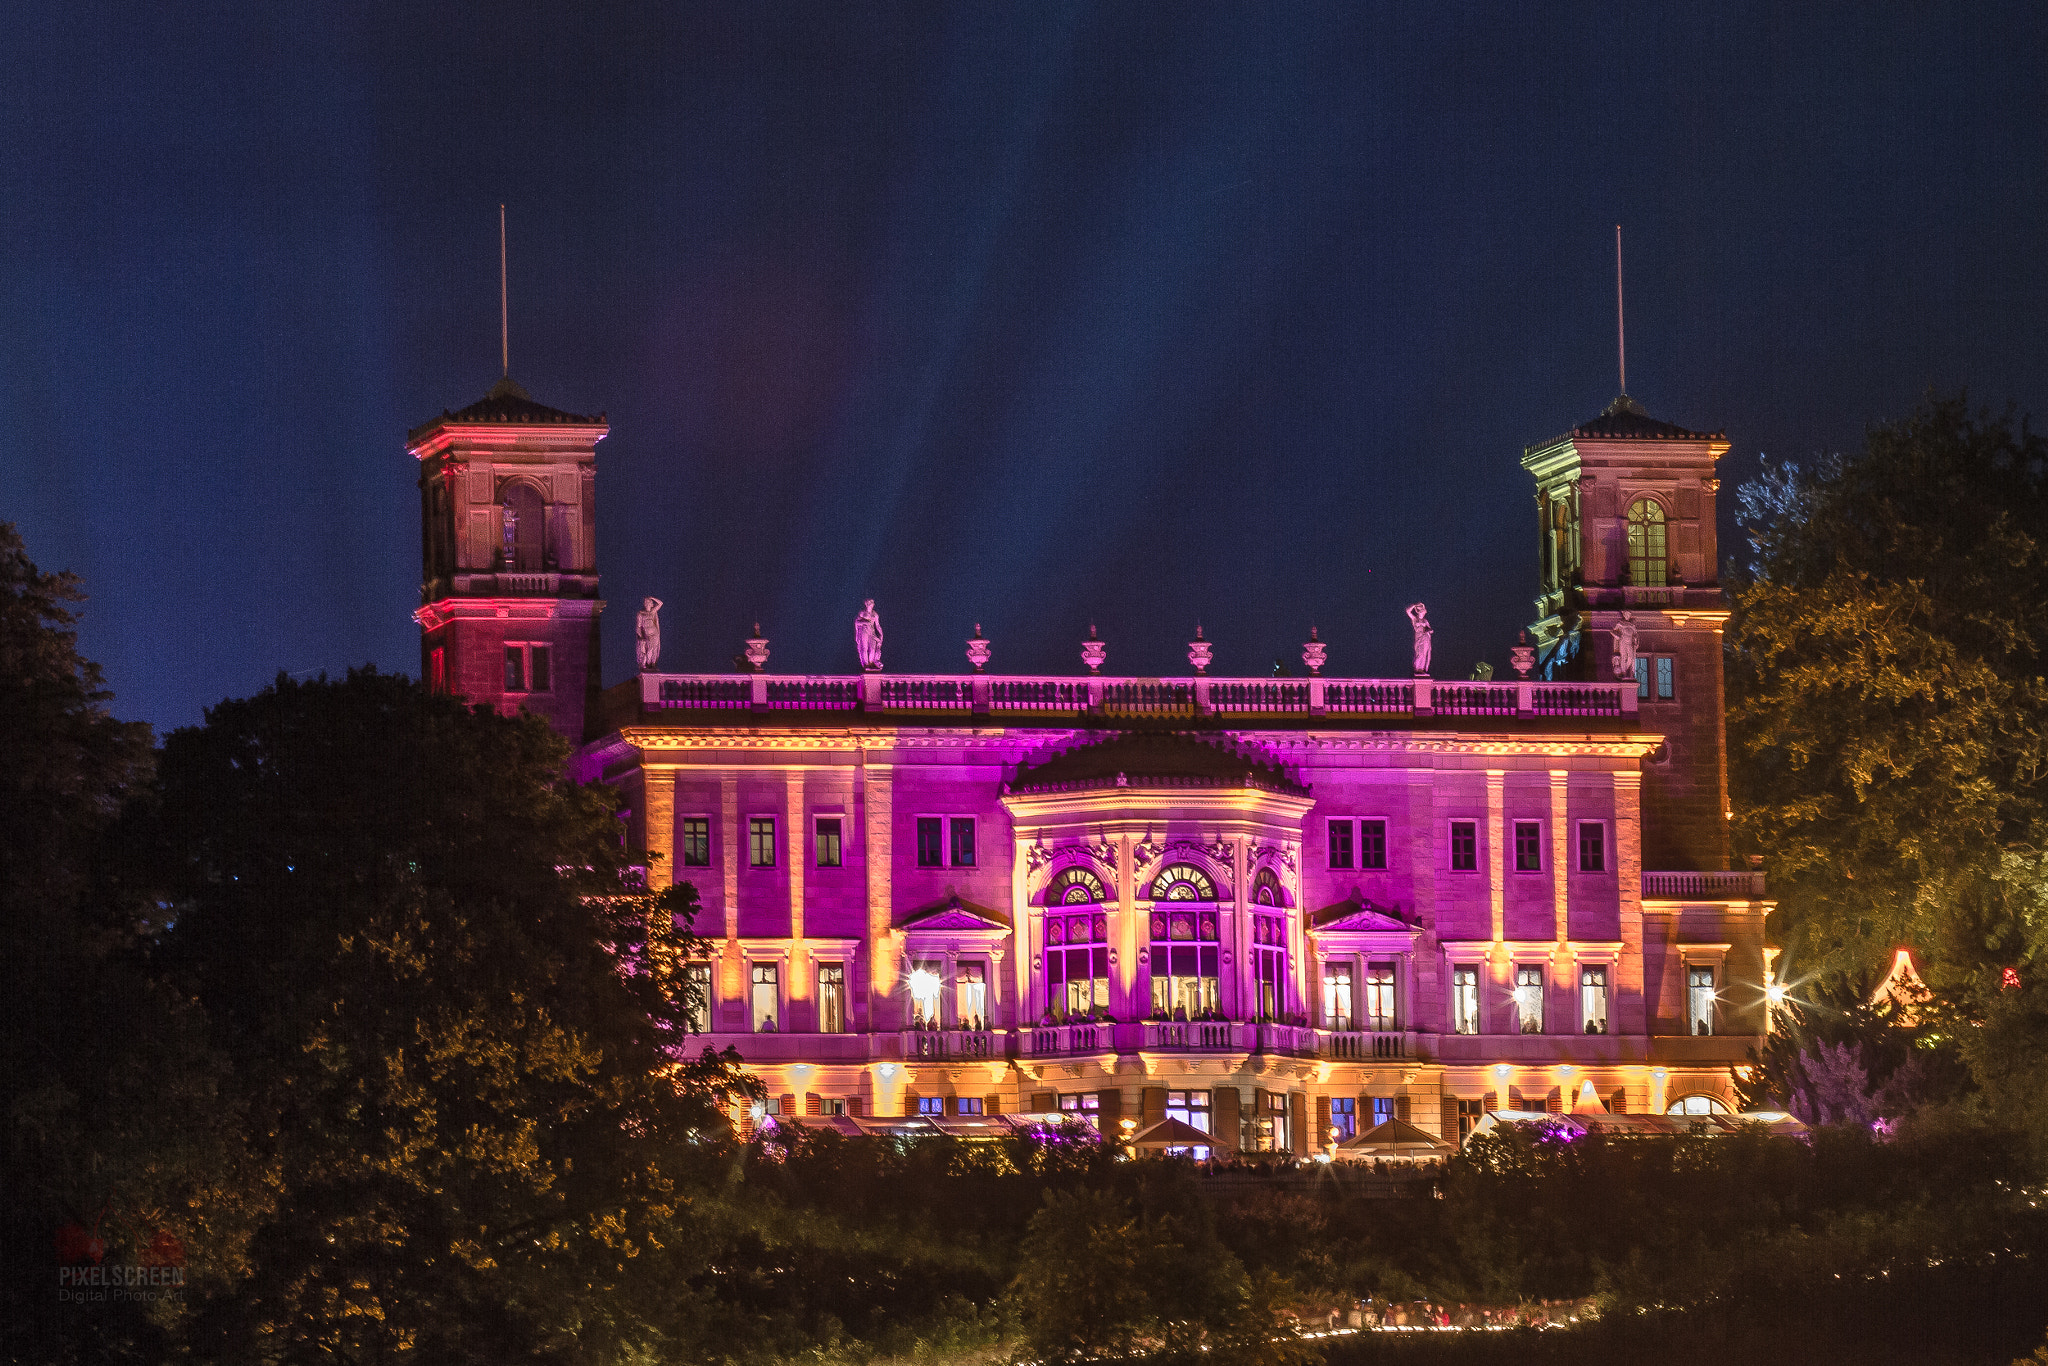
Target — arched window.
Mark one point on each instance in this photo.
(1074, 887)
(1183, 882)
(525, 528)
(1696, 1105)
(1646, 557)
(1266, 889)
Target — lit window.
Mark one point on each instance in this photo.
(515, 669)
(1269, 965)
(931, 1105)
(696, 842)
(1189, 1107)
(1666, 682)
(1383, 1110)
(1340, 844)
(1593, 998)
(1337, 1004)
(1074, 887)
(1464, 847)
(1465, 999)
(925, 980)
(1183, 882)
(1076, 964)
(828, 841)
(931, 850)
(1642, 676)
(967, 1105)
(1470, 1112)
(1274, 1134)
(697, 996)
(1592, 847)
(1529, 998)
(1646, 560)
(1528, 847)
(528, 669)
(970, 991)
(761, 841)
(1379, 997)
(766, 999)
(963, 841)
(1696, 1105)
(831, 998)
(1343, 1118)
(1372, 844)
(1183, 956)
(1699, 1000)
(1086, 1107)
(437, 669)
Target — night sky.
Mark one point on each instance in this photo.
(1026, 315)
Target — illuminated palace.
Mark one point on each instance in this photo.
(1280, 909)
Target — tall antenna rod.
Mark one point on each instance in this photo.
(1620, 325)
(505, 316)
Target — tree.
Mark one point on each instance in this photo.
(456, 1040)
(1889, 712)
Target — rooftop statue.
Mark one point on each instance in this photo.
(647, 633)
(1418, 617)
(867, 637)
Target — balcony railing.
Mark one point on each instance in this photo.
(1363, 1045)
(1089, 1038)
(1279, 1038)
(1207, 1036)
(1741, 885)
(1068, 697)
(938, 1045)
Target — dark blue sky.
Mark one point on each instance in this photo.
(1018, 314)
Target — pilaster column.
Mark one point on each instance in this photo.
(1124, 978)
(1247, 981)
(1628, 859)
(1496, 854)
(877, 856)
(1560, 851)
(1021, 936)
(737, 990)
(658, 802)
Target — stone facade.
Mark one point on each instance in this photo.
(1279, 908)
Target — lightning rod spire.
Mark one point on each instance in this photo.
(504, 313)
(1620, 323)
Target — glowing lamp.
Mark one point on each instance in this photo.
(1501, 1069)
(923, 982)
(1775, 994)
(888, 1070)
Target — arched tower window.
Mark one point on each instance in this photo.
(1646, 548)
(1183, 882)
(1074, 887)
(525, 528)
(1266, 889)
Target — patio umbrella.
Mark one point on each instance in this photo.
(1395, 1138)
(1173, 1133)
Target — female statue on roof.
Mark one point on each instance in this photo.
(647, 633)
(1418, 617)
(867, 637)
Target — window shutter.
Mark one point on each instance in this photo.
(910, 1099)
(1447, 1120)
(1401, 1108)
(814, 1104)
(786, 1106)
(1554, 1102)
(1151, 1107)
(991, 1105)
(1297, 1121)
(855, 1106)
(1229, 1119)
(1044, 1102)
(1515, 1101)
(1491, 1104)
(1618, 1102)
(1112, 1113)
(1322, 1134)
(1261, 1112)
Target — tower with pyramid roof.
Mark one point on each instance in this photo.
(509, 600)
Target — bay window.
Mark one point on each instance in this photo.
(1076, 965)
(1185, 985)
(1269, 960)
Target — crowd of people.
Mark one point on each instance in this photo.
(1377, 1315)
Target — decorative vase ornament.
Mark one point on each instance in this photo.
(757, 650)
(1200, 651)
(1093, 651)
(1523, 656)
(978, 649)
(1314, 653)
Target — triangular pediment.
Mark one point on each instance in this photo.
(1358, 916)
(954, 914)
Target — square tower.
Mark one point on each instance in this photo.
(1625, 511)
(508, 556)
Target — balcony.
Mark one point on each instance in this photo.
(1070, 698)
(1363, 1045)
(947, 1045)
(1191, 1036)
(1741, 885)
(1059, 1040)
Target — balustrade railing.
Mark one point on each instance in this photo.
(1088, 1038)
(935, 1045)
(1203, 1035)
(1363, 1045)
(1709, 886)
(1279, 1038)
(1166, 697)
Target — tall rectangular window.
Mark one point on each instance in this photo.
(1465, 999)
(1191, 1108)
(1086, 1107)
(1528, 847)
(1343, 1117)
(1592, 847)
(1642, 675)
(761, 841)
(1372, 844)
(1464, 847)
(1274, 1133)
(963, 841)
(1383, 1110)
(1380, 1012)
(1340, 844)
(1338, 1011)
(767, 1001)
(828, 841)
(1665, 680)
(967, 1105)
(437, 669)
(1593, 998)
(970, 995)
(697, 996)
(515, 669)
(831, 998)
(1699, 1000)
(931, 1105)
(1470, 1112)
(1529, 998)
(931, 848)
(927, 977)
(696, 841)
(540, 676)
